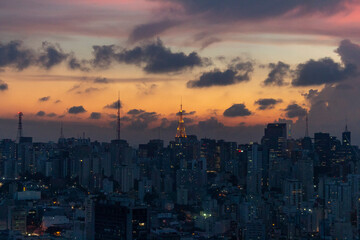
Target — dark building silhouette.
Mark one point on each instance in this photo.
(115, 220)
(322, 144)
(346, 137)
(275, 138)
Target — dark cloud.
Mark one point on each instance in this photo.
(343, 86)
(277, 74)
(76, 86)
(294, 110)
(114, 116)
(229, 10)
(188, 120)
(76, 110)
(95, 115)
(124, 118)
(211, 123)
(51, 114)
(206, 39)
(87, 90)
(103, 55)
(239, 72)
(145, 88)
(185, 113)
(214, 12)
(135, 111)
(332, 107)
(101, 80)
(40, 113)
(75, 64)
(3, 86)
(237, 110)
(155, 57)
(51, 55)
(149, 30)
(207, 42)
(349, 52)
(57, 101)
(44, 99)
(267, 103)
(213, 128)
(320, 72)
(114, 105)
(311, 93)
(14, 54)
(140, 119)
(91, 89)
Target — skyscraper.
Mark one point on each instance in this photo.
(275, 138)
(322, 148)
(254, 170)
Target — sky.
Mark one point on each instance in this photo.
(235, 65)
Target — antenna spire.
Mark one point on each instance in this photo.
(181, 104)
(118, 117)
(346, 125)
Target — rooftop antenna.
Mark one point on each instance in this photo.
(19, 133)
(346, 125)
(118, 117)
(181, 103)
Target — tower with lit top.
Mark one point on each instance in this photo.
(181, 133)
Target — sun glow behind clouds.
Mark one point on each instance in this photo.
(77, 26)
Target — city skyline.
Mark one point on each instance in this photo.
(250, 66)
(190, 188)
(59, 129)
(179, 119)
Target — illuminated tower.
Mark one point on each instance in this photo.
(180, 133)
(19, 133)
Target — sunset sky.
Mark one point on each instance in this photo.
(236, 64)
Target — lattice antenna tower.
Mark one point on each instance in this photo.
(181, 133)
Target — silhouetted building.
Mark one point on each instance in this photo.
(322, 143)
(275, 138)
(346, 137)
(25, 158)
(115, 220)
